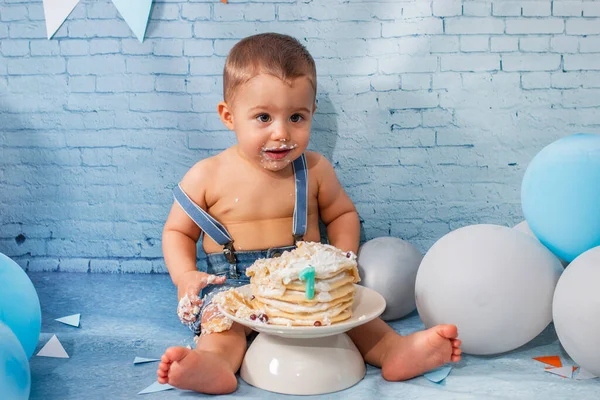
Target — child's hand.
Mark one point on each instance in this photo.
(191, 284)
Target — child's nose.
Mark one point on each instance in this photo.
(280, 132)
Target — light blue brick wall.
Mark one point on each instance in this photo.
(430, 111)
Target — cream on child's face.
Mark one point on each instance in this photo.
(272, 119)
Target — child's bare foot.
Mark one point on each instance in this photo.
(201, 371)
(413, 355)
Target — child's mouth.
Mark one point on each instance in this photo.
(279, 152)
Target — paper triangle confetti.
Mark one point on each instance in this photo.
(550, 360)
(136, 14)
(56, 12)
(439, 374)
(141, 360)
(565, 372)
(583, 374)
(53, 349)
(156, 387)
(72, 320)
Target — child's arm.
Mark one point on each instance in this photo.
(335, 208)
(180, 235)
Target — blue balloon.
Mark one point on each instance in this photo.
(19, 304)
(15, 375)
(560, 195)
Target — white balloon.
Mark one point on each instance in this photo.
(523, 226)
(389, 266)
(493, 282)
(576, 310)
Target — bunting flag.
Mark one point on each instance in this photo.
(56, 12)
(136, 14)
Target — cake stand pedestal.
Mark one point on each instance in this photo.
(309, 360)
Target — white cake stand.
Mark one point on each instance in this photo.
(308, 360)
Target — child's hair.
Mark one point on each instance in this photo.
(272, 53)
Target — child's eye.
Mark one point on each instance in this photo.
(296, 118)
(264, 117)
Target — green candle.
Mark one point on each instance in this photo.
(308, 275)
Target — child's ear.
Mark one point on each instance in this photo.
(225, 114)
(314, 107)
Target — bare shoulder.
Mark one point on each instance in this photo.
(318, 165)
(197, 180)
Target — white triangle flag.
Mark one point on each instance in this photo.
(565, 372)
(72, 320)
(141, 360)
(56, 12)
(136, 14)
(583, 374)
(53, 349)
(156, 387)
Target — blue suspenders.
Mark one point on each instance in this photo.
(219, 234)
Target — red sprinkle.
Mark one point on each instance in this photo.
(252, 298)
(253, 317)
(317, 323)
(348, 255)
(263, 317)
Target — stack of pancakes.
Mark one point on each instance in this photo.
(280, 297)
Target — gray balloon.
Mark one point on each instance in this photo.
(494, 283)
(389, 266)
(576, 307)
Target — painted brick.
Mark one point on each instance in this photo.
(195, 47)
(160, 102)
(504, 44)
(124, 83)
(583, 26)
(576, 62)
(14, 48)
(447, 8)
(535, 80)
(445, 44)
(474, 43)
(535, 26)
(581, 98)
(14, 13)
(470, 62)
(320, 12)
(420, 26)
(105, 46)
(570, 8)
(74, 47)
(195, 12)
(401, 64)
(96, 65)
(144, 65)
(589, 44)
(168, 47)
(101, 10)
(536, 44)
(44, 48)
(473, 25)
(591, 9)
(382, 83)
(542, 62)
(416, 9)
(165, 12)
(564, 44)
(43, 65)
(416, 81)
(537, 8)
(477, 8)
(503, 8)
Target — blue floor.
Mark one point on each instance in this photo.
(124, 316)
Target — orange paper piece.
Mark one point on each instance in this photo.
(550, 360)
(224, 1)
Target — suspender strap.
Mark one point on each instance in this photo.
(301, 206)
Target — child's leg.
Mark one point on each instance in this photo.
(404, 357)
(210, 367)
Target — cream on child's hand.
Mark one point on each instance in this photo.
(192, 283)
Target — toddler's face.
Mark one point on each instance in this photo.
(272, 119)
